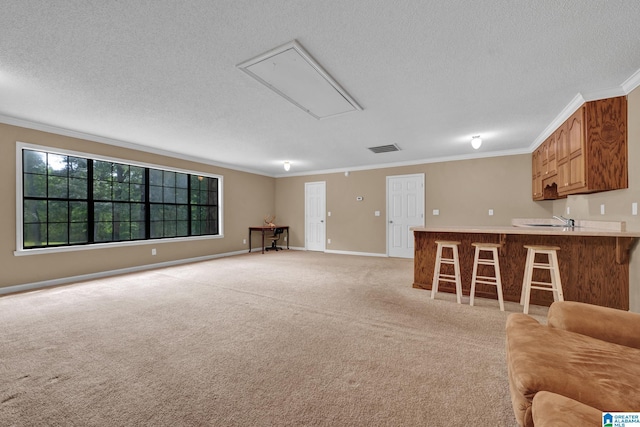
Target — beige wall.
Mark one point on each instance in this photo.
(463, 191)
(247, 199)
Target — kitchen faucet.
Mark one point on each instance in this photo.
(568, 222)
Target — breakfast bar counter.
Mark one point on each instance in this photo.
(593, 258)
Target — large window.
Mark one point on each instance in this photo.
(72, 200)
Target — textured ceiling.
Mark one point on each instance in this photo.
(162, 74)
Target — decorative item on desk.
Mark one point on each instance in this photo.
(476, 142)
(287, 166)
(270, 220)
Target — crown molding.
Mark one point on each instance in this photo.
(631, 83)
(28, 124)
(566, 112)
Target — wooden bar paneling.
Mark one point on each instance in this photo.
(590, 270)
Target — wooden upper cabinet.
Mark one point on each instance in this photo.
(536, 175)
(590, 150)
(573, 176)
(551, 153)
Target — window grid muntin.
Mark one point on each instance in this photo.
(179, 214)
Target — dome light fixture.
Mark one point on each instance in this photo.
(287, 166)
(476, 142)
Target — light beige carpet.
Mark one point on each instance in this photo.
(281, 339)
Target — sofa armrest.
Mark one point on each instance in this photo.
(604, 323)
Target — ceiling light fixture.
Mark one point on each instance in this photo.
(287, 166)
(476, 142)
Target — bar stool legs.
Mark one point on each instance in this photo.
(438, 276)
(487, 280)
(554, 286)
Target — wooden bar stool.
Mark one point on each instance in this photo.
(552, 265)
(438, 276)
(496, 281)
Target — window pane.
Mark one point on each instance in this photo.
(77, 188)
(182, 213)
(182, 228)
(136, 175)
(78, 167)
(121, 231)
(169, 195)
(122, 212)
(34, 162)
(137, 230)
(156, 229)
(121, 172)
(101, 190)
(182, 180)
(102, 170)
(79, 211)
(136, 193)
(170, 212)
(103, 211)
(58, 187)
(156, 212)
(58, 211)
(170, 229)
(182, 196)
(137, 212)
(120, 191)
(35, 185)
(35, 211)
(103, 231)
(155, 177)
(58, 234)
(155, 194)
(34, 235)
(78, 233)
(57, 165)
(169, 179)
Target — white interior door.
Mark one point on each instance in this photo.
(405, 209)
(315, 211)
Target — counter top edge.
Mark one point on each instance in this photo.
(551, 231)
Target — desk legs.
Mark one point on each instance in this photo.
(262, 232)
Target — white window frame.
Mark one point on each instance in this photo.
(20, 250)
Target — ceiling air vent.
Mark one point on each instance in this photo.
(385, 148)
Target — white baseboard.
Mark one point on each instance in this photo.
(101, 274)
(356, 253)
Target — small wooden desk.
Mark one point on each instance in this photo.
(264, 228)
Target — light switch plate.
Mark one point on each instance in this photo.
(436, 212)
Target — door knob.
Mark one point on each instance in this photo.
(390, 222)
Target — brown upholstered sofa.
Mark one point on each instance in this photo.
(585, 361)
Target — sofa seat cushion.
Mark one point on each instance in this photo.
(594, 372)
(553, 410)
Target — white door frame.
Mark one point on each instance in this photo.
(321, 243)
(420, 209)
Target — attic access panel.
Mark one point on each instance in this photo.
(293, 74)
